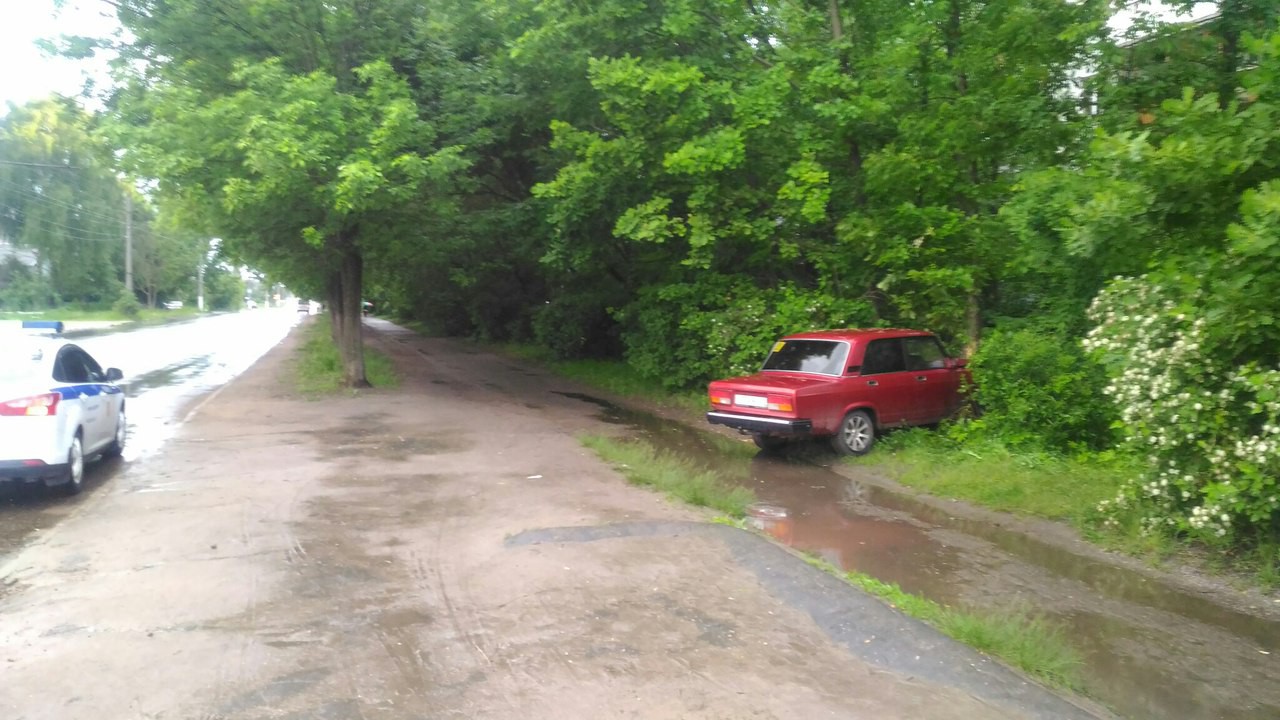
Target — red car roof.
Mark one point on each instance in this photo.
(856, 334)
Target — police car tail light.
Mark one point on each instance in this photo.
(39, 405)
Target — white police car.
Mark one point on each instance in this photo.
(57, 407)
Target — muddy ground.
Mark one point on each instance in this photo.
(445, 549)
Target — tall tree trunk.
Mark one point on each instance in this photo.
(345, 288)
(351, 345)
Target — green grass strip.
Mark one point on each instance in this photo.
(318, 367)
(992, 475)
(680, 479)
(1017, 636)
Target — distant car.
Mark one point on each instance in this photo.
(173, 305)
(847, 385)
(57, 408)
(250, 304)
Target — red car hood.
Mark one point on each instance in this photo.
(773, 381)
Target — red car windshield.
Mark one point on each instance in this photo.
(824, 357)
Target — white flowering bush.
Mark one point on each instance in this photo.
(1209, 429)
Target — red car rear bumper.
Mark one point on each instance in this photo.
(761, 424)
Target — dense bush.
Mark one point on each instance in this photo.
(575, 326)
(684, 335)
(1209, 428)
(127, 305)
(22, 288)
(1039, 389)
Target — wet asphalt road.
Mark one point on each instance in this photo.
(168, 370)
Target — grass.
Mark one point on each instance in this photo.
(1016, 636)
(992, 475)
(678, 478)
(318, 368)
(146, 316)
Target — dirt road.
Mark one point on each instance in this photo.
(446, 549)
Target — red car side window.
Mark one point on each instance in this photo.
(924, 353)
(883, 356)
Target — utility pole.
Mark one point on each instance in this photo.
(200, 285)
(128, 242)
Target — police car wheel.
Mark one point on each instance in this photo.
(117, 444)
(75, 468)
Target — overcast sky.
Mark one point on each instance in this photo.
(26, 73)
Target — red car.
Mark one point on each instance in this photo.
(842, 384)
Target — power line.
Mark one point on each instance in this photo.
(43, 165)
(117, 219)
(45, 198)
(84, 233)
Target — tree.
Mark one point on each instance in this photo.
(285, 128)
(165, 256)
(60, 198)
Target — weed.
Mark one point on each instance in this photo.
(990, 474)
(1017, 636)
(678, 478)
(318, 368)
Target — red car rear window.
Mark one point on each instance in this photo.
(824, 357)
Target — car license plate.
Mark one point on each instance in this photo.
(752, 401)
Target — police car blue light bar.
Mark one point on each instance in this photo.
(54, 326)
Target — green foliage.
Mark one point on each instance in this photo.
(223, 288)
(574, 326)
(683, 335)
(982, 469)
(305, 153)
(1039, 389)
(1208, 424)
(24, 289)
(60, 199)
(679, 479)
(1189, 345)
(127, 306)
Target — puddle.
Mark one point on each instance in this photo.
(175, 374)
(1149, 650)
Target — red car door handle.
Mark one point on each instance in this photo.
(872, 383)
(921, 378)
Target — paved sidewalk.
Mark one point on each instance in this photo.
(443, 550)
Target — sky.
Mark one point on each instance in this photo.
(26, 73)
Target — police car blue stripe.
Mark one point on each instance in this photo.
(71, 392)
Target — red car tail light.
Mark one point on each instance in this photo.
(36, 405)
